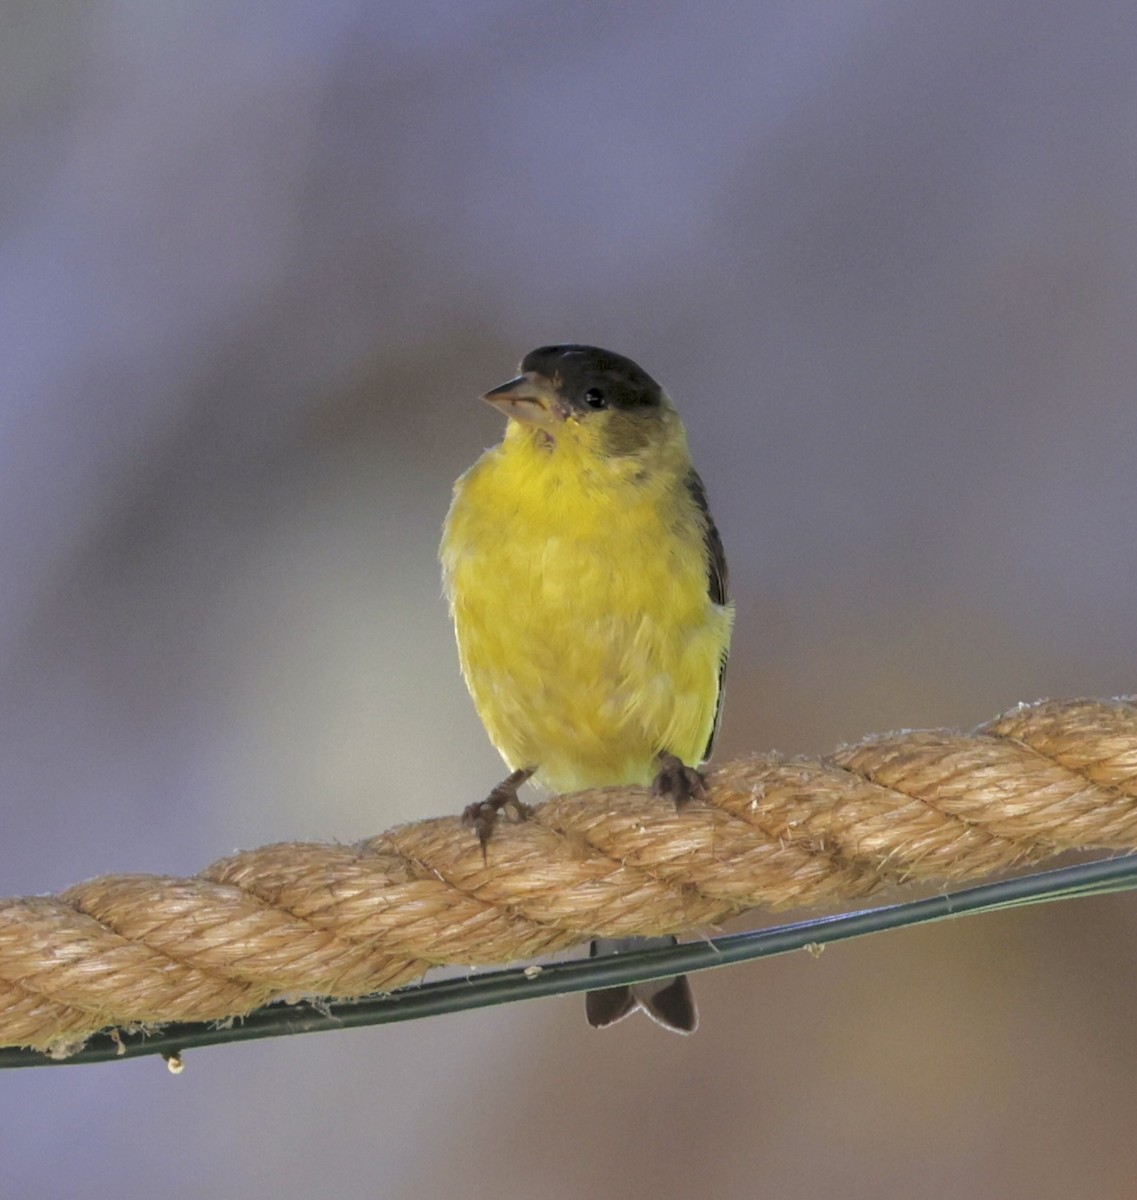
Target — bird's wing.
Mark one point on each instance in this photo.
(712, 543)
(717, 578)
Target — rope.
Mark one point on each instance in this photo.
(339, 921)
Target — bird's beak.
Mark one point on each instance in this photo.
(531, 399)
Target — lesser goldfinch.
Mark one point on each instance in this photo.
(588, 587)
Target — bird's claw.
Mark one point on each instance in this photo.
(483, 815)
(678, 781)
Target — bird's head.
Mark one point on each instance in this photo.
(599, 401)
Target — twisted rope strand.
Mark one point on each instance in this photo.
(314, 919)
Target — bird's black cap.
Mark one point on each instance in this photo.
(575, 370)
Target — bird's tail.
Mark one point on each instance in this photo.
(668, 1002)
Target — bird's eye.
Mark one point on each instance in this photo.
(594, 397)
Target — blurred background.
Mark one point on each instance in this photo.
(256, 264)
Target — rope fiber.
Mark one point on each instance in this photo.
(340, 921)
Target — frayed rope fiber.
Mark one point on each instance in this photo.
(339, 921)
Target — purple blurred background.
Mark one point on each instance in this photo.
(257, 262)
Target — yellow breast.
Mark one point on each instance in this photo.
(578, 588)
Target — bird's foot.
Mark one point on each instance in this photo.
(483, 815)
(678, 781)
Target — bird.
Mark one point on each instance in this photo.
(587, 584)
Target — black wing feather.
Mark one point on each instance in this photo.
(712, 543)
(717, 578)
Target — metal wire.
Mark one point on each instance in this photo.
(556, 979)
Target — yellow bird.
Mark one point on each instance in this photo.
(588, 587)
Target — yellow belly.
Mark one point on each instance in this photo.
(585, 632)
